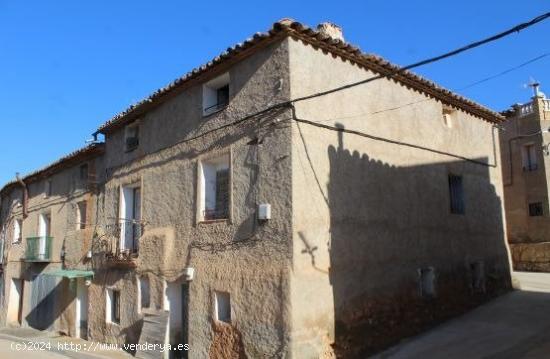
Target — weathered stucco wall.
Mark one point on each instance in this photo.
(368, 214)
(241, 256)
(67, 189)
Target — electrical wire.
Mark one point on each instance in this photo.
(515, 29)
(478, 82)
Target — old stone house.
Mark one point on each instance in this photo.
(258, 220)
(526, 170)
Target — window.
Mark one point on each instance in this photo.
(529, 157)
(536, 209)
(222, 307)
(131, 136)
(456, 193)
(84, 172)
(144, 291)
(81, 215)
(215, 94)
(427, 282)
(17, 230)
(448, 116)
(113, 306)
(214, 185)
(48, 188)
(130, 217)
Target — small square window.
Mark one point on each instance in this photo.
(131, 136)
(81, 215)
(215, 94)
(448, 115)
(222, 307)
(536, 209)
(113, 306)
(456, 193)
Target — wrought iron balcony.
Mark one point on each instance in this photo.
(39, 249)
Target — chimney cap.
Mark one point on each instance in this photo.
(331, 29)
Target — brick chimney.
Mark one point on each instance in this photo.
(331, 30)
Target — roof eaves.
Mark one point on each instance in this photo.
(289, 27)
(90, 151)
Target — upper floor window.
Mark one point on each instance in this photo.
(131, 136)
(215, 94)
(456, 193)
(529, 157)
(448, 115)
(130, 217)
(84, 172)
(48, 188)
(81, 215)
(17, 230)
(222, 307)
(214, 186)
(536, 209)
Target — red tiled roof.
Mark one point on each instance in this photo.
(288, 27)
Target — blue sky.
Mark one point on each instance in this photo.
(68, 66)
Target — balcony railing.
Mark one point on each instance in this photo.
(39, 249)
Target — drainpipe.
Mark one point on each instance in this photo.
(25, 195)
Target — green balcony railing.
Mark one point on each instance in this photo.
(39, 249)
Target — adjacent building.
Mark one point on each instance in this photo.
(526, 171)
(249, 210)
(46, 231)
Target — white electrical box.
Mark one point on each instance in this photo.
(189, 273)
(264, 211)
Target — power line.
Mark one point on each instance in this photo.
(286, 104)
(504, 72)
(515, 29)
(486, 79)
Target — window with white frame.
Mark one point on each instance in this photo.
(529, 157)
(131, 136)
(215, 94)
(214, 179)
(222, 307)
(17, 230)
(112, 306)
(130, 217)
(81, 208)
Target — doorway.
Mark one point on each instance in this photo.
(15, 306)
(176, 301)
(81, 315)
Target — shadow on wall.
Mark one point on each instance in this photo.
(400, 261)
(50, 296)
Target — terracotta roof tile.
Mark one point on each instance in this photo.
(289, 27)
(65, 161)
